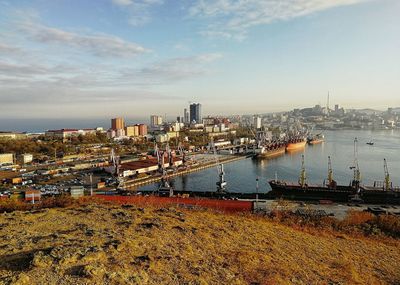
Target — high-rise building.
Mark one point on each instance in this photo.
(185, 116)
(142, 129)
(336, 108)
(117, 124)
(195, 113)
(132, 131)
(257, 122)
(156, 120)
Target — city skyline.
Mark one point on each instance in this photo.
(132, 58)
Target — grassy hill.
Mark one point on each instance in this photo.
(109, 244)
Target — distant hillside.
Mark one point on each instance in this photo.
(100, 244)
(369, 111)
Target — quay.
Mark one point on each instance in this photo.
(132, 184)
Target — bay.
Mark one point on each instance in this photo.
(241, 175)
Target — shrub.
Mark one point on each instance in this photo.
(10, 205)
(390, 225)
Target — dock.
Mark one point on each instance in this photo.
(132, 184)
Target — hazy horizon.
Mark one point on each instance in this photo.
(108, 58)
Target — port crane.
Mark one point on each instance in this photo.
(115, 169)
(331, 182)
(221, 183)
(388, 184)
(356, 169)
(182, 153)
(165, 189)
(303, 174)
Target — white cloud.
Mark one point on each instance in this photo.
(138, 10)
(6, 48)
(96, 44)
(122, 2)
(54, 84)
(174, 69)
(233, 18)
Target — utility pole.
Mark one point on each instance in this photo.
(257, 192)
(91, 184)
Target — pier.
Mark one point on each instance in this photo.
(134, 183)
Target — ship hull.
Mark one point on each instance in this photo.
(315, 141)
(311, 193)
(270, 153)
(380, 196)
(339, 194)
(295, 146)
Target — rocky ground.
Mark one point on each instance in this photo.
(105, 244)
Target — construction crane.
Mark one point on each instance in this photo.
(303, 174)
(221, 183)
(388, 184)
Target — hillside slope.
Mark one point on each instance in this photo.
(101, 244)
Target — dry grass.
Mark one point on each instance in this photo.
(109, 244)
(356, 224)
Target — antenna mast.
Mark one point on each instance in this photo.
(327, 106)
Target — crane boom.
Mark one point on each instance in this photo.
(356, 169)
(387, 175)
(221, 184)
(303, 174)
(330, 171)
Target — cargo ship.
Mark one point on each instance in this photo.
(382, 192)
(379, 193)
(270, 150)
(303, 191)
(317, 139)
(296, 143)
(265, 147)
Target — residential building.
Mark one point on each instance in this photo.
(6, 158)
(257, 122)
(195, 113)
(12, 135)
(26, 158)
(132, 131)
(156, 120)
(117, 124)
(142, 129)
(186, 116)
(67, 133)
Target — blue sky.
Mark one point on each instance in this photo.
(83, 58)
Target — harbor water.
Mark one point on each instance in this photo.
(242, 175)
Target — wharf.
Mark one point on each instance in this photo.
(134, 183)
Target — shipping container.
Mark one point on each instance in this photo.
(101, 185)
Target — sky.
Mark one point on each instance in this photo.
(105, 58)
